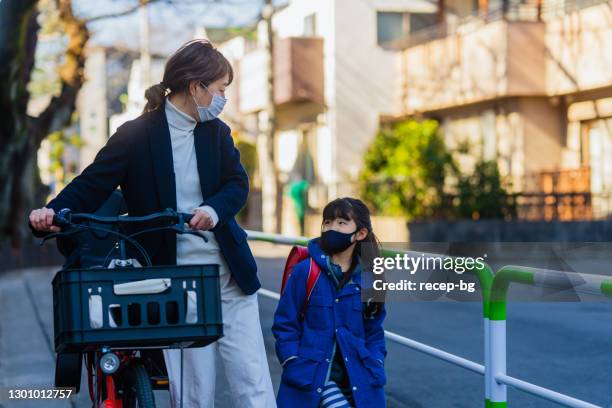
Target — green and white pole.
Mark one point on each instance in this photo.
(498, 378)
(485, 276)
(497, 331)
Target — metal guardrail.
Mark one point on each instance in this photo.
(494, 290)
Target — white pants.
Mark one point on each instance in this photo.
(241, 350)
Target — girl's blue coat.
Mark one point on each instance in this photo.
(332, 317)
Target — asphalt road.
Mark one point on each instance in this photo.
(562, 346)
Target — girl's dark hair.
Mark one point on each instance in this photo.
(196, 60)
(369, 248)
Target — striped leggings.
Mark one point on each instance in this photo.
(332, 396)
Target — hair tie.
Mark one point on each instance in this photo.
(164, 87)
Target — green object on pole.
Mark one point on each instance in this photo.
(297, 192)
(491, 404)
(499, 288)
(606, 288)
(485, 277)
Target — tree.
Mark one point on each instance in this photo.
(482, 195)
(405, 169)
(22, 134)
(408, 171)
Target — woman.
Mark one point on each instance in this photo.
(179, 155)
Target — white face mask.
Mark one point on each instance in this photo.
(213, 110)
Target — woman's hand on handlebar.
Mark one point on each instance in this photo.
(201, 220)
(42, 220)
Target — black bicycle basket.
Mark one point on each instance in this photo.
(174, 306)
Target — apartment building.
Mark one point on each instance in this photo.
(526, 83)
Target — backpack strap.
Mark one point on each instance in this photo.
(313, 275)
(297, 254)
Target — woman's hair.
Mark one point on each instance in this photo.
(196, 60)
(369, 248)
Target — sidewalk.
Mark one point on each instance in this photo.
(27, 358)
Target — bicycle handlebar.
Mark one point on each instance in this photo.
(65, 217)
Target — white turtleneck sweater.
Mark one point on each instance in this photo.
(189, 248)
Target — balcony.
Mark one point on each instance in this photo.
(523, 50)
(480, 60)
(298, 74)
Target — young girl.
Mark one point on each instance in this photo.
(333, 354)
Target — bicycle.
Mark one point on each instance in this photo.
(116, 311)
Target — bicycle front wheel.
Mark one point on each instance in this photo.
(137, 389)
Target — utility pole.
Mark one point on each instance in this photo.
(270, 189)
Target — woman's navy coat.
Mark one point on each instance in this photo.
(138, 158)
(331, 316)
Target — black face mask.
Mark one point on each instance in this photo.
(333, 242)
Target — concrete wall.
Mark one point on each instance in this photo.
(544, 137)
(578, 50)
(526, 58)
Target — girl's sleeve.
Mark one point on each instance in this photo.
(375, 334)
(287, 327)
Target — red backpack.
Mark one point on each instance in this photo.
(296, 255)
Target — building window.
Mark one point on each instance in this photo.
(391, 26)
(310, 25)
